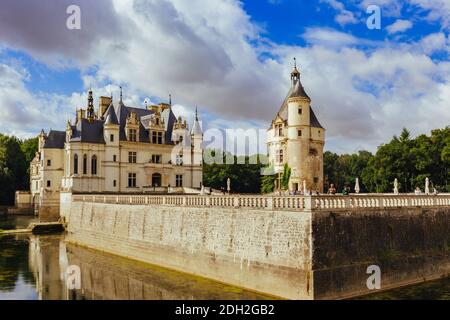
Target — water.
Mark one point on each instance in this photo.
(34, 267)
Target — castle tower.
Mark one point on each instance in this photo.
(197, 152)
(297, 138)
(112, 151)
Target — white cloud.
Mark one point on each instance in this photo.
(399, 26)
(209, 54)
(344, 16)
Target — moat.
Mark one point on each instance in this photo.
(33, 267)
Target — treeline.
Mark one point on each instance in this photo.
(15, 158)
(408, 159)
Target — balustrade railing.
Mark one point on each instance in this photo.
(321, 202)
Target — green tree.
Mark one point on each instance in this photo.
(285, 177)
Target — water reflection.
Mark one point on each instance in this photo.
(34, 267)
(37, 266)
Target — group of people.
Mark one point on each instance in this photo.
(332, 190)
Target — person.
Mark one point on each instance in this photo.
(346, 191)
(417, 191)
(332, 189)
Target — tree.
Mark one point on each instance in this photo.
(285, 177)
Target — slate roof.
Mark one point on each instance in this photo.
(297, 90)
(85, 131)
(55, 140)
(117, 113)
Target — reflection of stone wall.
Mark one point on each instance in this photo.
(262, 250)
(109, 277)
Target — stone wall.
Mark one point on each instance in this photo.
(261, 250)
(290, 247)
(408, 244)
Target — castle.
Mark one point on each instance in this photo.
(296, 138)
(117, 149)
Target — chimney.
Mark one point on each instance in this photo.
(81, 114)
(103, 105)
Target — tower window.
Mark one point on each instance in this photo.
(179, 160)
(85, 164)
(114, 158)
(49, 163)
(111, 138)
(49, 183)
(299, 132)
(300, 110)
(313, 152)
(280, 156)
(75, 164)
(94, 165)
(114, 183)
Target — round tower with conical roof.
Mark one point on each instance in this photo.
(297, 138)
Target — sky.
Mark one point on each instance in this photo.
(231, 59)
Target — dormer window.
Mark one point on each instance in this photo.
(132, 136)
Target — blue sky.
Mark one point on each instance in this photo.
(231, 59)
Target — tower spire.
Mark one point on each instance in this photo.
(196, 114)
(121, 94)
(295, 74)
(170, 99)
(90, 108)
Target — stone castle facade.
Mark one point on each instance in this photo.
(117, 149)
(296, 138)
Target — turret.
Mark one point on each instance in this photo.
(111, 127)
(197, 139)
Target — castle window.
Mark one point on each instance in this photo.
(49, 163)
(313, 152)
(156, 158)
(75, 164)
(111, 138)
(114, 183)
(160, 141)
(280, 156)
(316, 179)
(279, 129)
(132, 157)
(157, 121)
(131, 180)
(179, 180)
(299, 133)
(132, 135)
(49, 183)
(300, 110)
(85, 164)
(94, 165)
(114, 158)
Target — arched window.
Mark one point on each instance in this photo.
(94, 165)
(85, 164)
(156, 180)
(75, 164)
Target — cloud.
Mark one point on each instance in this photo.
(332, 38)
(39, 27)
(210, 54)
(399, 26)
(344, 16)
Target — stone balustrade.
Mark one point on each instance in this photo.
(321, 202)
